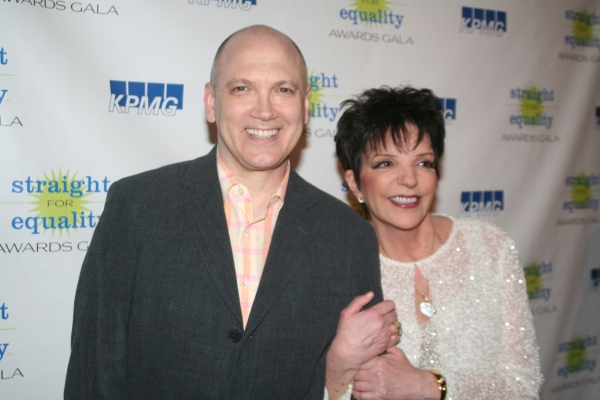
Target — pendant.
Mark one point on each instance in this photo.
(426, 308)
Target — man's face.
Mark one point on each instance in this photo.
(260, 104)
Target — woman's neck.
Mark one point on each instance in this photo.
(408, 245)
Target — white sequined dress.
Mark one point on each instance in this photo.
(481, 337)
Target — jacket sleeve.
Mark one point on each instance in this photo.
(365, 272)
(363, 276)
(97, 367)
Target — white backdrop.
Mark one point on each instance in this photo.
(520, 85)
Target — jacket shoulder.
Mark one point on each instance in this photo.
(333, 209)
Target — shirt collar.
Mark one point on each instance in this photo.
(227, 179)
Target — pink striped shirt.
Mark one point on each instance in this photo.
(250, 236)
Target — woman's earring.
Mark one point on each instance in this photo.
(360, 200)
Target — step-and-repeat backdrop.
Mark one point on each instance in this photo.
(96, 90)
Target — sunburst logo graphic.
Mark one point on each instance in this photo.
(60, 202)
(316, 91)
(582, 28)
(371, 9)
(55, 208)
(576, 353)
(532, 107)
(372, 13)
(579, 355)
(581, 192)
(533, 278)
(318, 107)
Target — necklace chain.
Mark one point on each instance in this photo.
(385, 253)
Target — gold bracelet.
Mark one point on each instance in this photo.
(441, 382)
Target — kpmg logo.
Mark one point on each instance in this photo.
(449, 107)
(577, 355)
(486, 22)
(537, 276)
(245, 5)
(146, 98)
(581, 190)
(482, 203)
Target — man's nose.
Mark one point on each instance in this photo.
(264, 108)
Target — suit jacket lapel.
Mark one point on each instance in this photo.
(292, 236)
(203, 205)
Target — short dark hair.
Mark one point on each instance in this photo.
(376, 113)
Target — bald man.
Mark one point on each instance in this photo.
(222, 277)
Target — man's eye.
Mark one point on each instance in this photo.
(239, 88)
(285, 90)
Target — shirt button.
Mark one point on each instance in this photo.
(241, 192)
(245, 282)
(235, 336)
(247, 230)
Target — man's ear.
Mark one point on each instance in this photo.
(307, 106)
(351, 181)
(209, 102)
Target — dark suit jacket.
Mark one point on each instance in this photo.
(157, 312)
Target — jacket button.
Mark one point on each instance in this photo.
(235, 336)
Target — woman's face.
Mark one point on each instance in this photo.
(398, 187)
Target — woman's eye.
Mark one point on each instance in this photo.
(382, 164)
(427, 164)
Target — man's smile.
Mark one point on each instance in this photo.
(262, 133)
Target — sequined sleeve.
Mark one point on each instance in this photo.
(515, 371)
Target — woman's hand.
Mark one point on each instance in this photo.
(361, 336)
(392, 376)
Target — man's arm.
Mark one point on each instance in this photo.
(365, 327)
(97, 366)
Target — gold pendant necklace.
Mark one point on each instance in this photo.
(425, 306)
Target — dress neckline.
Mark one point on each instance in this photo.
(432, 256)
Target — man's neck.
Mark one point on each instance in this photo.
(261, 184)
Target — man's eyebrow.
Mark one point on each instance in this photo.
(287, 82)
(246, 82)
(238, 82)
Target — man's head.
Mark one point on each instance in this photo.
(258, 97)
